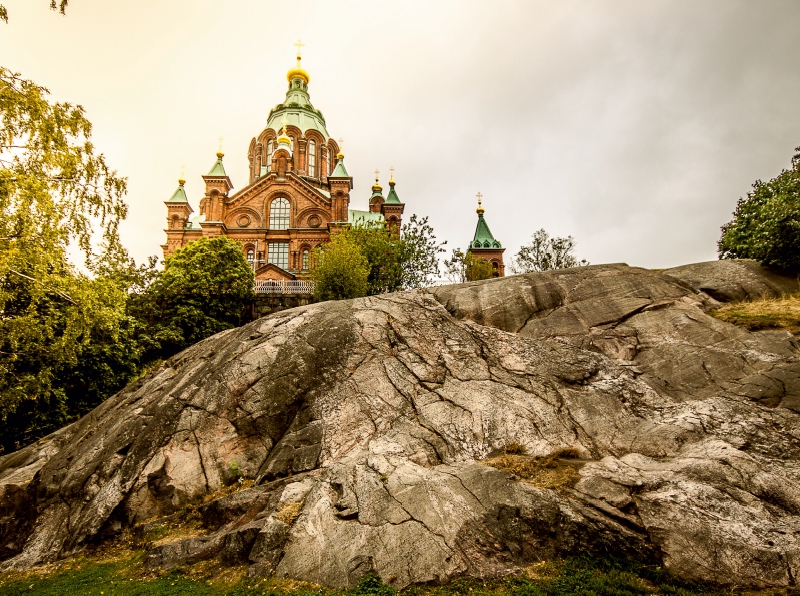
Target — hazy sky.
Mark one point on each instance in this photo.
(631, 125)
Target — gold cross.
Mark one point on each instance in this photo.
(376, 175)
(299, 45)
(480, 196)
(391, 174)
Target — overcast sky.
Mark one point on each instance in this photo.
(631, 125)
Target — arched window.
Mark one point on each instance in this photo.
(305, 259)
(312, 159)
(251, 255)
(269, 155)
(279, 214)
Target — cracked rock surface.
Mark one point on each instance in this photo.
(363, 423)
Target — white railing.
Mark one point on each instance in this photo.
(292, 286)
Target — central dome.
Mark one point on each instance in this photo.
(296, 110)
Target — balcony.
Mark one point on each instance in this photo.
(292, 287)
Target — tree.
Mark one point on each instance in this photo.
(766, 223)
(393, 262)
(205, 288)
(339, 269)
(60, 6)
(463, 267)
(545, 253)
(382, 251)
(419, 253)
(55, 193)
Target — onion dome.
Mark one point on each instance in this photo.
(297, 72)
(377, 189)
(296, 110)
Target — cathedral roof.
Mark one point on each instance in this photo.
(483, 235)
(296, 109)
(356, 216)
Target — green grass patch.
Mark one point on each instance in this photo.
(582, 576)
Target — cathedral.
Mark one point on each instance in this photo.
(297, 195)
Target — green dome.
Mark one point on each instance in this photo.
(297, 110)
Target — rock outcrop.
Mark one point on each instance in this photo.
(363, 425)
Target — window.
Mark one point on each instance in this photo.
(312, 159)
(250, 255)
(269, 155)
(279, 214)
(278, 253)
(305, 259)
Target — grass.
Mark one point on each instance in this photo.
(581, 576)
(776, 313)
(559, 470)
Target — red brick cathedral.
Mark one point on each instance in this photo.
(297, 195)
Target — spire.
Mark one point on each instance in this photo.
(179, 195)
(392, 196)
(483, 235)
(339, 171)
(218, 169)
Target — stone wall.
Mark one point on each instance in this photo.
(266, 304)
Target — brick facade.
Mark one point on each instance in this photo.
(298, 193)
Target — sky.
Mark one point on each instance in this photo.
(633, 126)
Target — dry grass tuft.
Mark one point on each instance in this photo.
(774, 313)
(288, 513)
(515, 448)
(558, 471)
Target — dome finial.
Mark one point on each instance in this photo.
(340, 155)
(220, 154)
(391, 176)
(480, 209)
(182, 179)
(297, 71)
(377, 187)
(284, 138)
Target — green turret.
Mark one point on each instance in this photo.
(218, 169)
(180, 195)
(483, 235)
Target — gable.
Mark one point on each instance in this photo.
(257, 193)
(270, 271)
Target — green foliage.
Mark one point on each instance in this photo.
(382, 250)
(410, 260)
(580, 576)
(462, 267)
(419, 253)
(59, 327)
(766, 224)
(204, 289)
(545, 253)
(61, 7)
(339, 269)
(371, 584)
